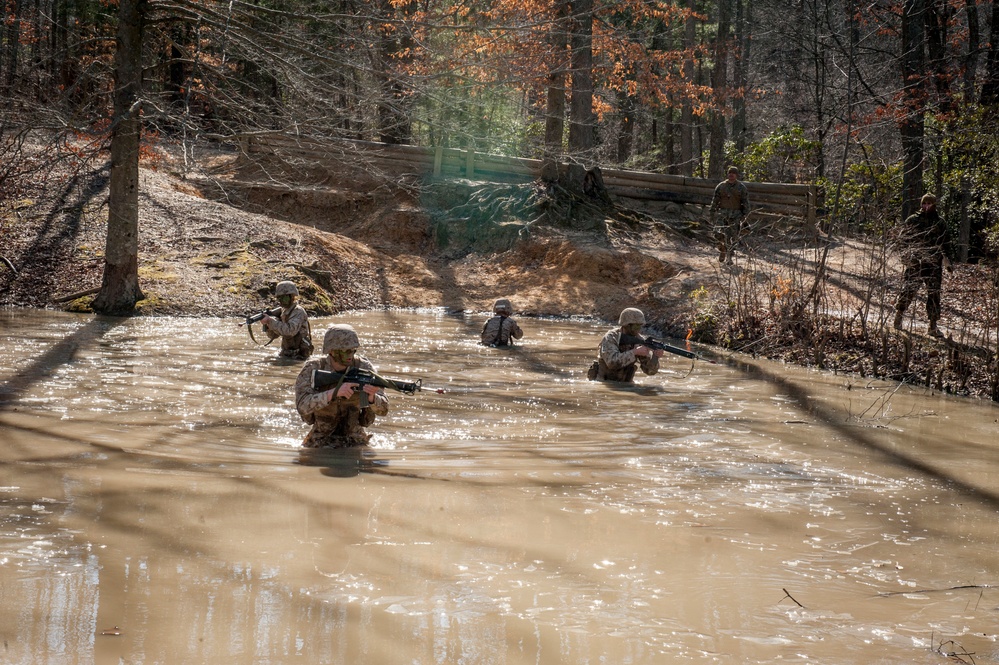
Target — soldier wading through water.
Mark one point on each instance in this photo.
(501, 329)
(292, 326)
(336, 416)
(619, 363)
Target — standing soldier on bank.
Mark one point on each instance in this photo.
(924, 241)
(617, 362)
(729, 207)
(501, 329)
(292, 326)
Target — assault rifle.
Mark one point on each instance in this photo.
(259, 316)
(325, 379)
(653, 343)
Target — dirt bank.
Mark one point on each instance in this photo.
(214, 245)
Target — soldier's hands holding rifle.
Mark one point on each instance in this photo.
(347, 390)
(644, 351)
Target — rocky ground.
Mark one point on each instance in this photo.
(215, 243)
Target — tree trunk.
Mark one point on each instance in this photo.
(120, 286)
(13, 41)
(393, 117)
(743, 32)
(581, 102)
(964, 230)
(719, 87)
(912, 127)
(936, 31)
(971, 57)
(555, 103)
(669, 141)
(687, 110)
(990, 88)
(626, 130)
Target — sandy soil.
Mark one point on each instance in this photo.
(215, 245)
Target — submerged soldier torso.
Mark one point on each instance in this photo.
(338, 423)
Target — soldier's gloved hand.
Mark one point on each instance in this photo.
(641, 351)
(372, 392)
(658, 353)
(347, 390)
(268, 319)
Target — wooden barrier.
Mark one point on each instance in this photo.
(777, 198)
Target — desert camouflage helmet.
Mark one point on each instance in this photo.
(340, 337)
(503, 306)
(286, 288)
(631, 315)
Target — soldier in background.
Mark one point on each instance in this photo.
(336, 416)
(619, 363)
(925, 245)
(729, 207)
(501, 329)
(292, 326)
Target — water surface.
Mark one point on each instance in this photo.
(155, 505)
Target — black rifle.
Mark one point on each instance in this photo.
(653, 343)
(259, 316)
(325, 379)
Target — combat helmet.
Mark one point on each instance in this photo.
(340, 337)
(286, 288)
(503, 306)
(631, 315)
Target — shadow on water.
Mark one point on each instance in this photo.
(636, 389)
(350, 462)
(835, 422)
(62, 353)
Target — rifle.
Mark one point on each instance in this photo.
(325, 379)
(653, 343)
(259, 316)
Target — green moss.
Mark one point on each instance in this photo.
(151, 304)
(80, 305)
(152, 271)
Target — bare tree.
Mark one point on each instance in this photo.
(581, 101)
(719, 85)
(912, 123)
(687, 107)
(555, 101)
(120, 285)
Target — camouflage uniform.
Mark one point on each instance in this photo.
(295, 332)
(729, 207)
(336, 423)
(500, 331)
(618, 363)
(925, 243)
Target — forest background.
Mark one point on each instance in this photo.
(876, 102)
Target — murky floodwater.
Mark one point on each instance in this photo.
(155, 506)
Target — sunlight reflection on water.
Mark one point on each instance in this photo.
(153, 480)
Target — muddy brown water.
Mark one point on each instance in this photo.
(155, 506)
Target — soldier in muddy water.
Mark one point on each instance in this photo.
(338, 416)
(501, 329)
(292, 325)
(617, 362)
